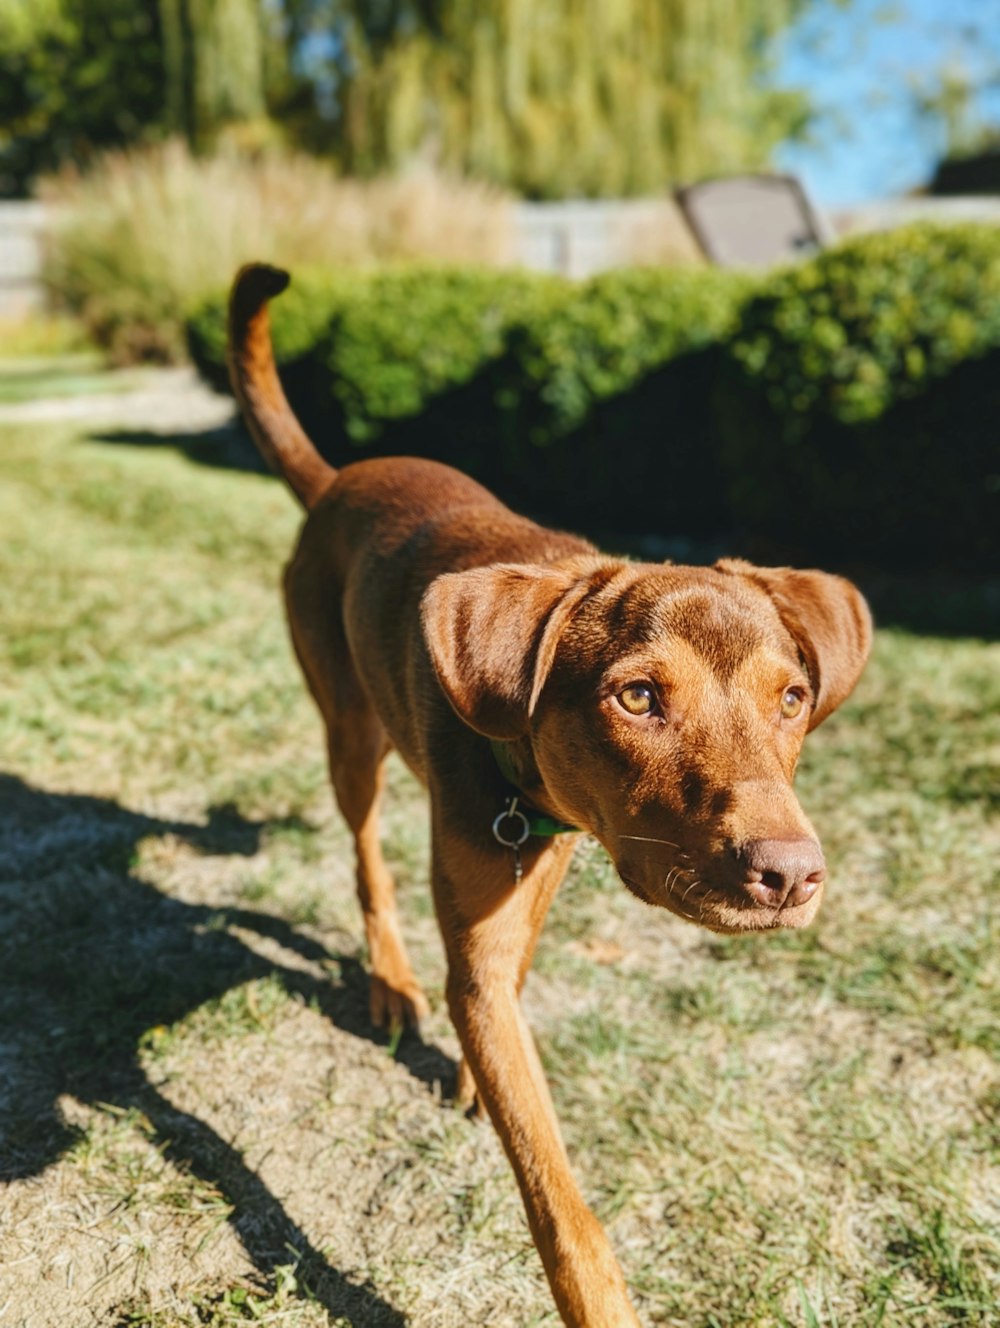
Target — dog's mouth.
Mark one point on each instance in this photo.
(687, 891)
(664, 874)
(680, 890)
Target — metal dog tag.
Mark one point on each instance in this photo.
(514, 836)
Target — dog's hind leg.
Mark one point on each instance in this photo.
(357, 746)
(357, 749)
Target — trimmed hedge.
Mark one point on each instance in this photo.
(593, 342)
(300, 323)
(860, 402)
(518, 379)
(846, 408)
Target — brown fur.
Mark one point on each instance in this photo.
(429, 618)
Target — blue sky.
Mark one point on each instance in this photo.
(861, 65)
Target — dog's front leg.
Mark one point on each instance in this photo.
(490, 932)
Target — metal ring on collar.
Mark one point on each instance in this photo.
(511, 814)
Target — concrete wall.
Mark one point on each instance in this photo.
(21, 229)
(892, 212)
(575, 239)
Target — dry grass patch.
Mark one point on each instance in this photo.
(145, 234)
(199, 1127)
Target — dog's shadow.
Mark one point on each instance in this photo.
(93, 958)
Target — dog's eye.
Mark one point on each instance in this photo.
(792, 703)
(637, 699)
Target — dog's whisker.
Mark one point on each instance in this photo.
(648, 839)
(672, 877)
(700, 901)
(688, 891)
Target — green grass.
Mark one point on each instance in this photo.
(43, 337)
(795, 1130)
(74, 376)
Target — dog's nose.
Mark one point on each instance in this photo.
(781, 873)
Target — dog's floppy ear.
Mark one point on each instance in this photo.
(492, 634)
(829, 621)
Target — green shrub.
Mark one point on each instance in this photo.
(872, 322)
(300, 323)
(596, 341)
(844, 410)
(860, 400)
(364, 355)
(589, 402)
(606, 391)
(410, 335)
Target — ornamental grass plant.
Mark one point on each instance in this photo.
(141, 237)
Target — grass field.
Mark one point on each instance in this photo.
(199, 1127)
(74, 375)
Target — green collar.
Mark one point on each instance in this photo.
(537, 824)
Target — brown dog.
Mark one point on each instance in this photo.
(535, 686)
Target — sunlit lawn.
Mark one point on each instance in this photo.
(796, 1130)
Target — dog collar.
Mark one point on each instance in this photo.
(523, 821)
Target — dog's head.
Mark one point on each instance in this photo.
(666, 708)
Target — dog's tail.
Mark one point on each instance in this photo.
(254, 376)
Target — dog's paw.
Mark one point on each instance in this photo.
(397, 1003)
(467, 1094)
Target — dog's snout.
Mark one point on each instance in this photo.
(781, 873)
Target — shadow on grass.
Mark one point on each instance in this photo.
(934, 603)
(93, 957)
(928, 602)
(228, 447)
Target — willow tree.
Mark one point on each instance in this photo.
(213, 55)
(77, 76)
(558, 97)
